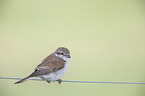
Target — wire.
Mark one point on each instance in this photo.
(108, 82)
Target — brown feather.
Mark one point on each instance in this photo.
(23, 80)
(63, 49)
(50, 64)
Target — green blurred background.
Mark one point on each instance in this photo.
(106, 39)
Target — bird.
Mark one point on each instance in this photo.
(52, 68)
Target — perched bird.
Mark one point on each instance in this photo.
(52, 67)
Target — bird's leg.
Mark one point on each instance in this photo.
(48, 81)
(59, 81)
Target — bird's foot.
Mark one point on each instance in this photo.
(59, 81)
(48, 81)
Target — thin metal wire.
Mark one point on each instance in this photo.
(108, 82)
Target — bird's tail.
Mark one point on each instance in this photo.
(23, 80)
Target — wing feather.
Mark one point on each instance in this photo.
(48, 67)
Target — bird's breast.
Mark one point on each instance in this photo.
(56, 75)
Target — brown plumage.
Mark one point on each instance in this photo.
(51, 64)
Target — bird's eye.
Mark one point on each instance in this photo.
(61, 53)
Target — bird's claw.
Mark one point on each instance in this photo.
(59, 81)
(48, 81)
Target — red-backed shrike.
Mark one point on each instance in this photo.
(52, 67)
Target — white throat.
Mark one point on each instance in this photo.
(62, 57)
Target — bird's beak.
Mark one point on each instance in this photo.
(68, 56)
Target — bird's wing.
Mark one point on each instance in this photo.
(48, 67)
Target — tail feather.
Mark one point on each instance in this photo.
(23, 80)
